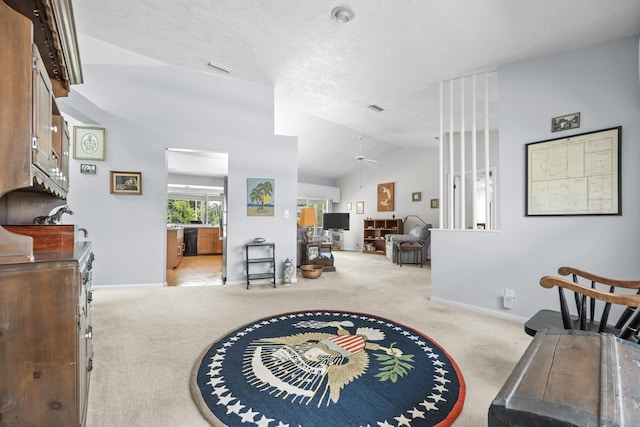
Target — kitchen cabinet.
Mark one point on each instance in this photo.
(175, 246)
(209, 241)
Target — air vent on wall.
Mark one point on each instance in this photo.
(375, 108)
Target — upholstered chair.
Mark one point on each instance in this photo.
(419, 233)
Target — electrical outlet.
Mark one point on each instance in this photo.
(508, 298)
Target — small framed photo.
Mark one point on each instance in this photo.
(359, 208)
(416, 197)
(89, 143)
(570, 121)
(435, 203)
(126, 182)
(348, 206)
(88, 169)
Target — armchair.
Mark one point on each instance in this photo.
(420, 233)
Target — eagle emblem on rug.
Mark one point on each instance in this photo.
(317, 366)
(327, 367)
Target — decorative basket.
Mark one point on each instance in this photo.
(311, 271)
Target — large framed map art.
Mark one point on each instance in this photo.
(575, 175)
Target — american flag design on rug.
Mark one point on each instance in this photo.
(329, 368)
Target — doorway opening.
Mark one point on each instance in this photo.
(196, 211)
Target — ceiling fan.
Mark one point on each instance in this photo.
(360, 158)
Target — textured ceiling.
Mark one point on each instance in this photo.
(393, 54)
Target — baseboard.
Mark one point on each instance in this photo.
(481, 310)
(132, 285)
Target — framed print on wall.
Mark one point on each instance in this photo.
(260, 197)
(360, 208)
(348, 206)
(89, 143)
(126, 182)
(575, 175)
(385, 197)
(416, 197)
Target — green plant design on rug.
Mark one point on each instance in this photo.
(394, 364)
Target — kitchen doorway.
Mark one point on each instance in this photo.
(196, 211)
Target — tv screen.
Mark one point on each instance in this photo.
(335, 221)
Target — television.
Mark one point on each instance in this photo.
(335, 221)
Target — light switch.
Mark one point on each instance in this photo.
(286, 213)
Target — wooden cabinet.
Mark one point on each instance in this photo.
(374, 232)
(209, 242)
(60, 151)
(175, 246)
(38, 61)
(45, 338)
(318, 253)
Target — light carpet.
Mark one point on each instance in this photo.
(147, 340)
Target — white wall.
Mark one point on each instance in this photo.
(412, 170)
(474, 267)
(149, 108)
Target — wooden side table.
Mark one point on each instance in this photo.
(414, 247)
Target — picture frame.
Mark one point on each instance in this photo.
(260, 197)
(126, 182)
(359, 208)
(566, 122)
(574, 175)
(385, 197)
(89, 143)
(435, 203)
(416, 197)
(87, 168)
(348, 206)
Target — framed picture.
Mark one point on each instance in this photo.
(348, 206)
(260, 197)
(385, 197)
(575, 175)
(416, 197)
(126, 182)
(570, 121)
(89, 143)
(89, 169)
(359, 208)
(435, 203)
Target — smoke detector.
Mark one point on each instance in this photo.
(342, 14)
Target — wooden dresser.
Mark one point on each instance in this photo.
(45, 338)
(45, 272)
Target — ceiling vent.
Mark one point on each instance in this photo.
(375, 108)
(219, 67)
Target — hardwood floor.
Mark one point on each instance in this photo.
(202, 270)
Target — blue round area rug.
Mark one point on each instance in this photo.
(327, 368)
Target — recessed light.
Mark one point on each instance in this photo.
(220, 67)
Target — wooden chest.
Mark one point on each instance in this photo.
(572, 378)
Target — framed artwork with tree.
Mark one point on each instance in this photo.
(260, 197)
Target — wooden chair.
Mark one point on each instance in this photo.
(586, 300)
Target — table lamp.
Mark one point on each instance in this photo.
(308, 219)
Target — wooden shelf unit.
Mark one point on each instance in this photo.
(374, 232)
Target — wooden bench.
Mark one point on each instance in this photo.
(571, 378)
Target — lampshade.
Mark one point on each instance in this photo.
(308, 217)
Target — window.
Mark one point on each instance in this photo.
(188, 209)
